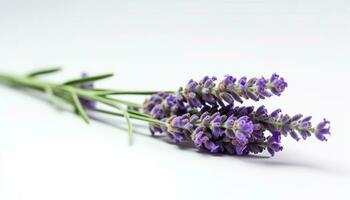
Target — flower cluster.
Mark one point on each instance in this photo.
(204, 114)
(161, 106)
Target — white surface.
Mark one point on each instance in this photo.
(50, 154)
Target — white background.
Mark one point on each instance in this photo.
(51, 154)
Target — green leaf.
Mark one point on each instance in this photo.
(88, 79)
(44, 71)
(79, 107)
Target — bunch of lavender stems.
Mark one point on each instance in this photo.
(203, 113)
(72, 92)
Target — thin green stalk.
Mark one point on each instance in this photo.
(69, 92)
(125, 102)
(139, 113)
(128, 92)
(34, 83)
(24, 81)
(79, 107)
(51, 95)
(130, 128)
(132, 116)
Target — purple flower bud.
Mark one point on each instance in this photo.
(231, 120)
(251, 95)
(254, 148)
(209, 83)
(294, 135)
(157, 112)
(206, 120)
(236, 96)
(304, 133)
(277, 84)
(273, 145)
(296, 117)
(217, 132)
(306, 119)
(227, 97)
(239, 150)
(193, 118)
(211, 146)
(323, 124)
(193, 100)
(178, 137)
(188, 126)
(241, 138)
(199, 137)
(245, 125)
(229, 80)
(275, 113)
(243, 83)
(217, 121)
(191, 85)
(322, 129)
(170, 100)
(261, 112)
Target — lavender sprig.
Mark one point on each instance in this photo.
(202, 113)
(243, 130)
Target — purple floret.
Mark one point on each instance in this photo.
(322, 130)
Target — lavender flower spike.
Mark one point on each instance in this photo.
(241, 130)
(295, 126)
(206, 92)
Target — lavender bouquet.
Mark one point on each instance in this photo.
(207, 113)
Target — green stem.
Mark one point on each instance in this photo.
(133, 116)
(128, 103)
(280, 124)
(36, 84)
(139, 113)
(29, 81)
(24, 81)
(61, 91)
(127, 92)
